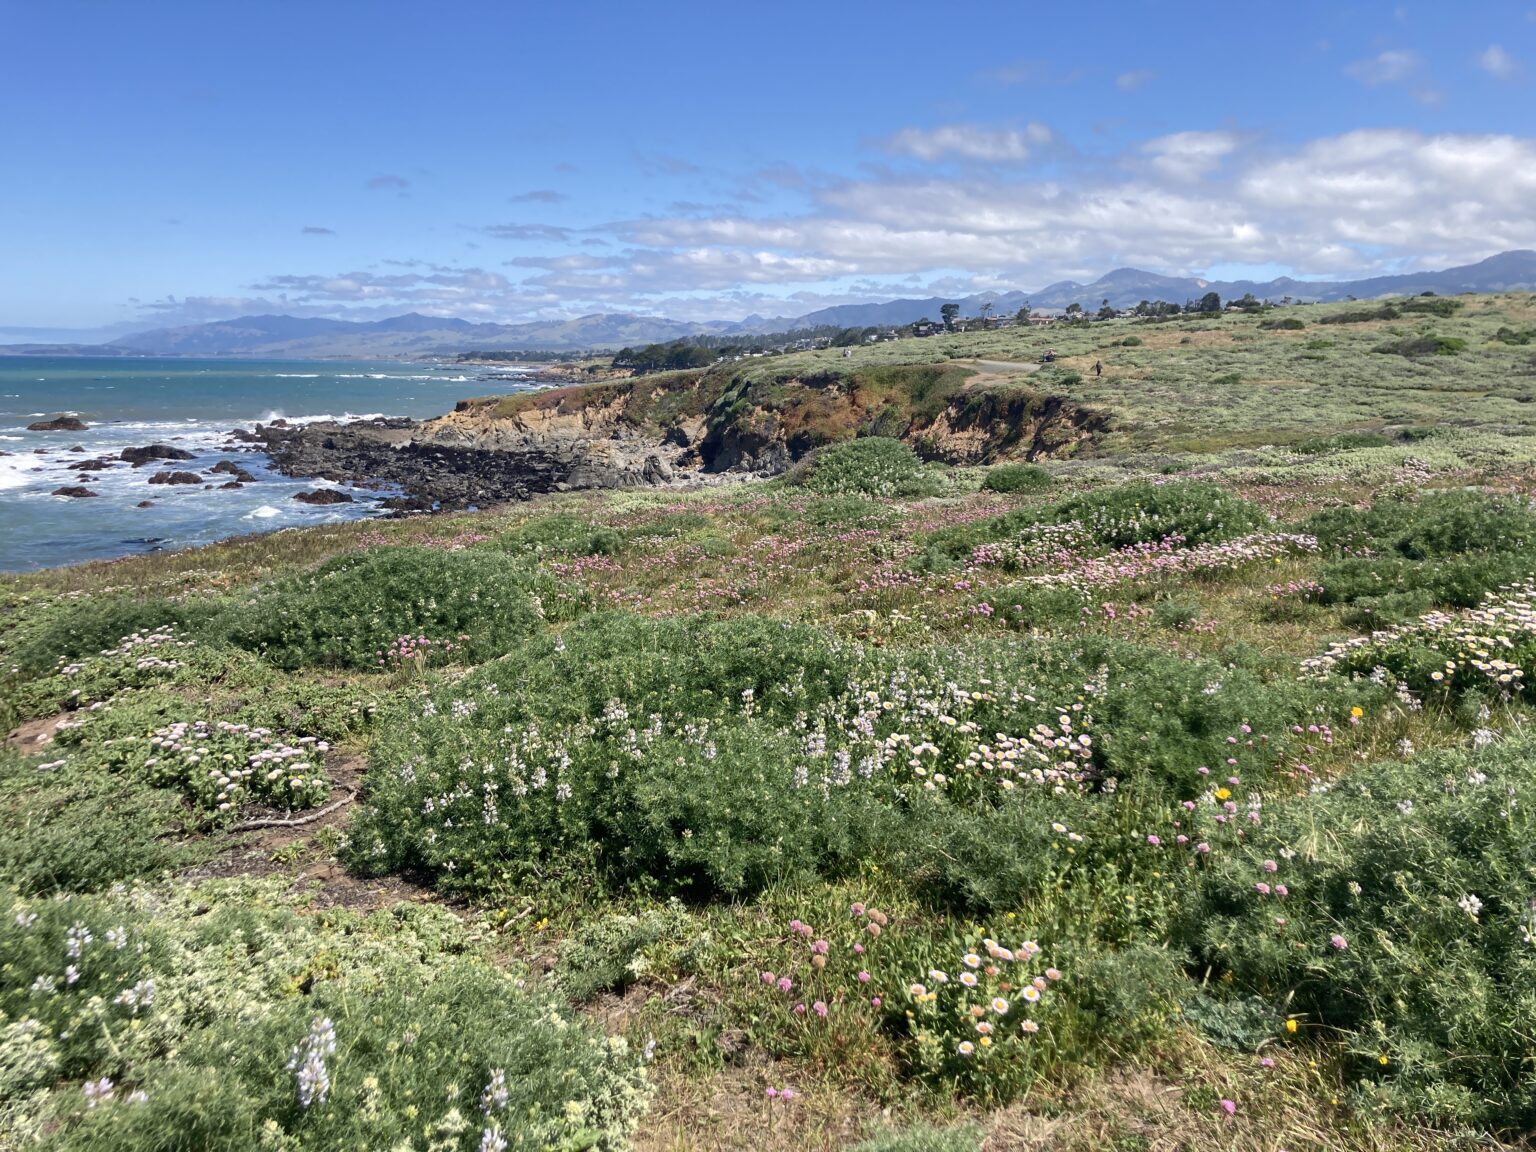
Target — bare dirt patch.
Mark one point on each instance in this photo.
(35, 735)
(301, 853)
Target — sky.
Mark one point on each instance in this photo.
(166, 163)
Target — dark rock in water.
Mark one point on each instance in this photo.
(175, 478)
(278, 423)
(323, 496)
(59, 424)
(74, 490)
(234, 470)
(246, 435)
(78, 448)
(145, 504)
(231, 484)
(407, 504)
(94, 464)
(137, 456)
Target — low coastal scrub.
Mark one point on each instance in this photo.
(872, 466)
(349, 611)
(219, 1018)
(1175, 793)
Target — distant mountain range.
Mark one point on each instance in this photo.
(414, 335)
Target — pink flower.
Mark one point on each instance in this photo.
(772, 1092)
(1271, 866)
(800, 1009)
(820, 947)
(1261, 888)
(820, 1008)
(1181, 839)
(858, 949)
(1154, 841)
(856, 910)
(863, 977)
(1338, 942)
(785, 983)
(1203, 848)
(1282, 890)
(786, 1094)
(1266, 1063)
(1229, 1107)
(794, 925)
(874, 1001)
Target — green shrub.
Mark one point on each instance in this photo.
(562, 534)
(870, 466)
(608, 955)
(191, 1017)
(1343, 442)
(1422, 346)
(1197, 511)
(349, 611)
(71, 629)
(1016, 478)
(1508, 335)
(1288, 324)
(1131, 342)
(1406, 927)
(70, 829)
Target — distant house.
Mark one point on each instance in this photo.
(926, 328)
(1037, 320)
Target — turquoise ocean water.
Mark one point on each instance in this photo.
(193, 404)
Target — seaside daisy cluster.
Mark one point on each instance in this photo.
(222, 766)
(1488, 647)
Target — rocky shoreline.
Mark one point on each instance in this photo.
(438, 467)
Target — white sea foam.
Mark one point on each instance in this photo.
(265, 512)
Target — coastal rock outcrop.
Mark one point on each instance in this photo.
(682, 428)
(75, 491)
(59, 424)
(169, 477)
(324, 496)
(138, 456)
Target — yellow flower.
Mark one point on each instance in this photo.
(1223, 793)
(1382, 1059)
(986, 1042)
(1290, 1026)
(1357, 712)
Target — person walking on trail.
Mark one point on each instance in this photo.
(1098, 368)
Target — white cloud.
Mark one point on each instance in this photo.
(1189, 155)
(1390, 67)
(969, 142)
(1498, 63)
(1131, 81)
(1352, 204)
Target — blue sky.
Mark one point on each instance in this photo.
(175, 162)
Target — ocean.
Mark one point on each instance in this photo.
(193, 405)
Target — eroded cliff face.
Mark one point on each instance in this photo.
(638, 433)
(987, 426)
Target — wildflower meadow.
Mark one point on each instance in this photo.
(1176, 791)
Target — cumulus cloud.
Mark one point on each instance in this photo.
(1497, 62)
(316, 230)
(1131, 81)
(386, 181)
(1189, 155)
(968, 141)
(1352, 204)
